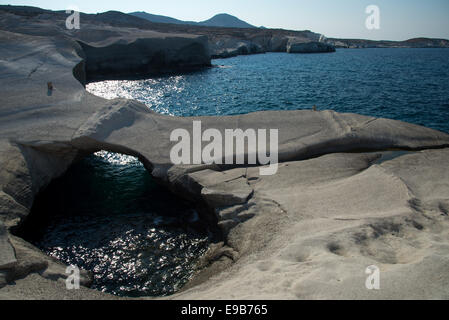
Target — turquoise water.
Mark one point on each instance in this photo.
(405, 84)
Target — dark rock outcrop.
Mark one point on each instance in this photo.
(148, 55)
(309, 47)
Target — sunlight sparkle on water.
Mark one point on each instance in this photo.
(117, 158)
(152, 92)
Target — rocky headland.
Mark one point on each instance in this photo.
(351, 191)
(410, 43)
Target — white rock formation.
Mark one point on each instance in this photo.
(309, 231)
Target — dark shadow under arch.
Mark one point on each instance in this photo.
(107, 215)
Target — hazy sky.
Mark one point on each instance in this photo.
(399, 19)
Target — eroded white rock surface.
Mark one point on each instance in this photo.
(318, 224)
(7, 254)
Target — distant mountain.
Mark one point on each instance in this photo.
(226, 21)
(159, 19)
(220, 20)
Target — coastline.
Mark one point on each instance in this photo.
(42, 135)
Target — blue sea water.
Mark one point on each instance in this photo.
(405, 84)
